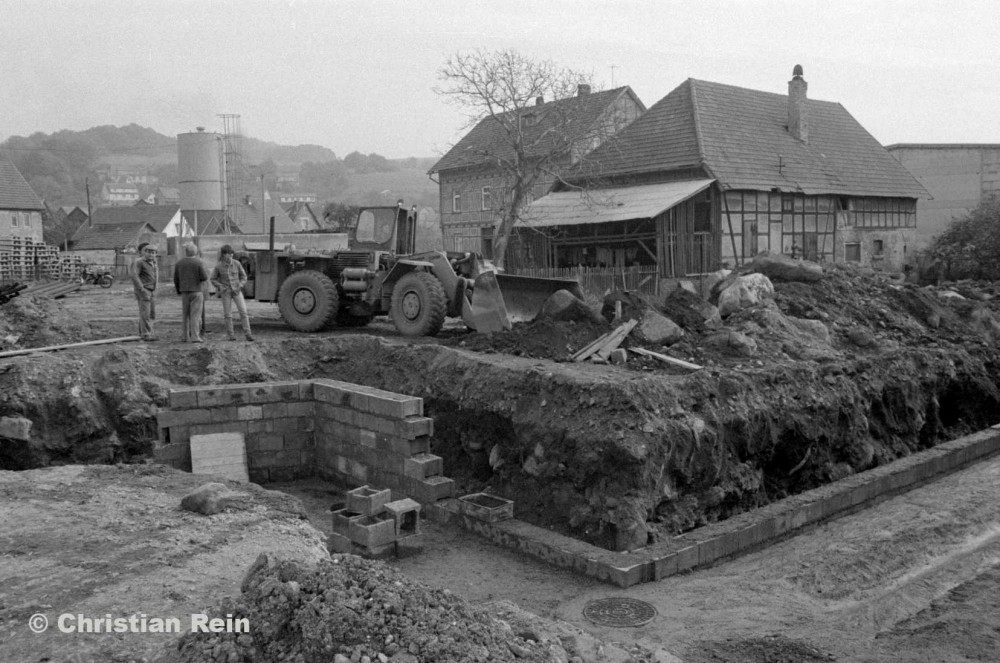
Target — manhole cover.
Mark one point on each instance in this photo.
(619, 612)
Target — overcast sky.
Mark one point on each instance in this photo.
(360, 75)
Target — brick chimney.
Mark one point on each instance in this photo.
(582, 89)
(798, 114)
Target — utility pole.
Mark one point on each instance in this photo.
(90, 214)
(613, 67)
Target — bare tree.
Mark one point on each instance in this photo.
(534, 141)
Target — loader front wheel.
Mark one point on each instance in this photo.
(418, 305)
(307, 301)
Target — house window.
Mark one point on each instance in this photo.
(456, 202)
(486, 198)
(877, 247)
(852, 252)
(486, 242)
(13, 219)
(27, 219)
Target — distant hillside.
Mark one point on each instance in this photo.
(57, 166)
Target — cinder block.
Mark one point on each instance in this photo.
(484, 506)
(249, 412)
(259, 475)
(183, 398)
(224, 414)
(298, 440)
(342, 519)
(301, 409)
(274, 410)
(358, 470)
(367, 438)
(270, 442)
(431, 489)
(284, 474)
(220, 396)
(413, 427)
(406, 514)
(372, 532)
(338, 543)
(272, 392)
(402, 446)
(306, 390)
(394, 406)
(178, 435)
(423, 465)
(368, 501)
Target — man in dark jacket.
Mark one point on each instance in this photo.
(144, 278)
(190, 276)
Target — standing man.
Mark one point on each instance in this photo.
(144, 278)
(189, 277)
(229, 277)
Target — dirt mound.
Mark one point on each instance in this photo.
(540, 339)
(352, 609)
(32, 322)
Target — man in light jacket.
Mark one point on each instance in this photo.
(229, 277)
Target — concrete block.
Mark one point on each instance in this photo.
(259, 476)
(406, 514)
(486, 507)
(372, 532)
(220, 396)
(366, 438)
(178, 434)
(627, 570)
(183, 398)
(423, 465)
(367, 500)
(274, 410)
(411, 428)
(249, 412)
(342, 518)
(338, 543)
(298, 440)
(394, 406)
(301, 409)
(224, 414)
(306, 390)
(388, 551)
(273, 392)
(270, 442)
(687, 556)
(431, 489)
(262, 460)
(402, 446)
(357, 470)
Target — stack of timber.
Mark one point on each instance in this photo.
(604, 345)
(54, 290)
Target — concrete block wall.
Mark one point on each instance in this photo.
(277, 420)
(338, 430)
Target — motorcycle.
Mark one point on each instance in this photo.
(99, 277)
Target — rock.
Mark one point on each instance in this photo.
(663, 656)
(814, 328)
(563, 306)
(658, 329)
(619, 356)
(710, 281)
(210, 498)
(690, 311)
(784, 268)
(746, 291)
(731, 342)
(15, 428)
(861, 337)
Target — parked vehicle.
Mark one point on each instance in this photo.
(92, 275)
(379, 274)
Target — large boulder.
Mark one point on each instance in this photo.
(563, 306)
(731, 343)
(658, 329)
(211, 498)
(691, 311)
(746, 291)
(784, 268)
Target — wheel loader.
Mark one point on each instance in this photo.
(379, 274)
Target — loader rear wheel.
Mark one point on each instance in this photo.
(307, 301)
(418, 305)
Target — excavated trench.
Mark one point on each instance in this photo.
(613, 456)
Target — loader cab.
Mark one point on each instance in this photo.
(390, 229)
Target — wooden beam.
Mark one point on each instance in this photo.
(669, 360)
(51, 348)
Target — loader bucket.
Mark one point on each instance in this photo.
(499, 300)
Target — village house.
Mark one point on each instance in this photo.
(115, 231)
(302, 215)
(714, 174)
(473, 189)
(20, 208)
(959, 176)
(115, 194)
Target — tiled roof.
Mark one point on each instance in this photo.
(110, 236)
(740, 137)
(488, 136)
(157, 216)
(15, 193)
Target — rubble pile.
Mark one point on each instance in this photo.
(351, 610)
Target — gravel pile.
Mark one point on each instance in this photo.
(350, 609)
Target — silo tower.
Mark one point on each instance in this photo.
(201, 175)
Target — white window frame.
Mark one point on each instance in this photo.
(456, 202)
(487, 198)
(14, 219)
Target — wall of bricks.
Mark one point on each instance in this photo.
(337, 430)
(277, 420)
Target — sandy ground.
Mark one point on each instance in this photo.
(913, 579)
